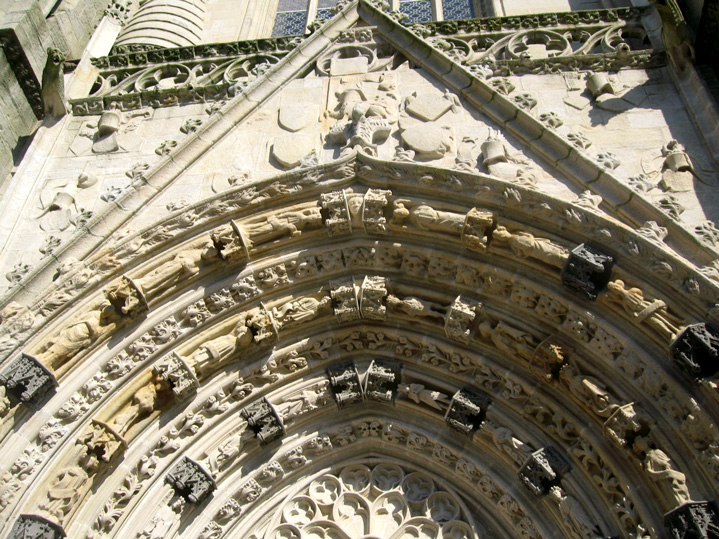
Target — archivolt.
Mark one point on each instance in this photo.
(462, 294)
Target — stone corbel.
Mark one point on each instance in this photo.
(263, 420)
(126, 297)
(35, 527)
(178, 374)
(476, 227)
(543, 470)
(587, 271)
(696, 350)
(345, 384)
(460, 318)
(373, 294)
(624, 425)
(191, 481)
(382, 380)
(345, 300)
(467, 410)
(27, 380)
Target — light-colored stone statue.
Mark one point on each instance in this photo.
(299, 310)
(574, 515)
(214, 352)
(80, 333)
(505, 440)
(184, 265)
(417, 393)
(164, 519)
(508, 339)
(526, 245)
(416, 307)
(221, 457)
(650, 312)
(588, 390)
(286, 223)
(671, 483)
(425, 217)
(304, 401)
(143, 402)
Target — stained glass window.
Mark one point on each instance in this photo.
(457, 9)
(291, 18)
(418, 10)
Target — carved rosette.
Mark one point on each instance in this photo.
(231, 242)
(344, 300)
(587, 271)
(696, 350)
(27, 380)
(373, 295)
(459, 319)
(382, 380)
(262, 419)
(178, 374)
(35, 527)
(335, 213)
(467, 410)
(543, 470)
(476, 225)
(376, 202)
(345, 384)
(693, 519)
(191, 481)
(126, 297)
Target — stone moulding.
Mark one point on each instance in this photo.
(23, 70)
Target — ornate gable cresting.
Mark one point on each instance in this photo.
(420, 338)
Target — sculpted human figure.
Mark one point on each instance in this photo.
(418, 394)
(227, 451)
(286, 223)
(214, 352)
(509, 339)
(589, 390)
(526, 245)
(303, 309)
(416, 307)
(574, 514)
(306, 401)
(145, 401)
(672, 483)
(186, 264)
(425, 217)
(636, 306)
(164, 518)
(504, 439)
(78, 335)
(70, 486)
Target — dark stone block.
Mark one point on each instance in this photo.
(382, 381)
(696, 350)
(693, 520)
(35, 527)
(345, 384)
(587, 271)
(263, 420)
(466, 411)
(27, 380)
(191, 481)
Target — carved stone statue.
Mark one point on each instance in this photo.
(650, 312)
(573, 514)
(299, 310)
(369, 127)
(304, 401)
(425, 217)
(53, 84)
(671, 483)
(285, 223)
(589, 390)
(145, 401)
(416, 307)
(526, 245)
(163, 520)
(213, 353)
(419, 394)
(85, 330)
(509, 339)
(221, 457)
(504, 439)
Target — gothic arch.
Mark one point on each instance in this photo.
(364, 309)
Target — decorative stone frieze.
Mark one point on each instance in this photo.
(35, 527)
(587, 271)
(173, 369)
(191, 481)
(381, 380)
(263, 420)
(466, 410)
(345, 384)
(699, 520)
(543, 470)
(27, 380)
(696, 350)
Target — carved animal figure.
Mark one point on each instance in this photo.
(53, 84)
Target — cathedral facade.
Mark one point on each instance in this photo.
(359, 269)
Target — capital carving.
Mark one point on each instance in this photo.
(696, 350)
(263, 420)
(230, 242)
(345, 384)
(460, 318)
(373, 294)
(466, 410)
(382, 380)
(178, 374)
(587, 271)
(542, 470)
(694, 519)
(35, 527)
(345, 301)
